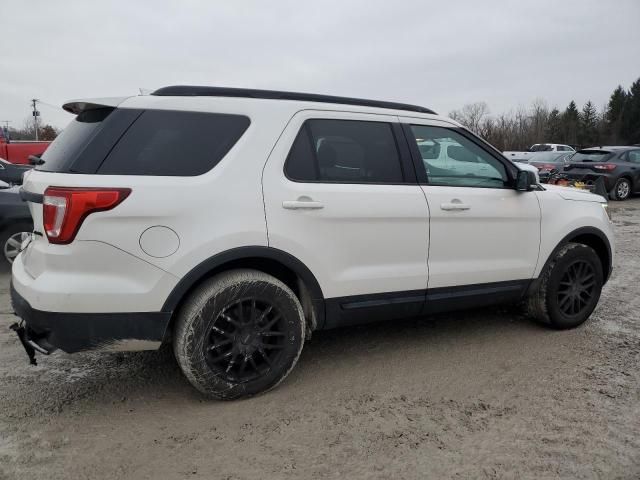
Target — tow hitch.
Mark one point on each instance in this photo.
(30, 346)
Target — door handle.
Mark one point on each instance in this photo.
(302, 205)
(454, 206)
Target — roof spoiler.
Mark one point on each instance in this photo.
(78, 106)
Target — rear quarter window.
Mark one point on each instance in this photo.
(67, 147)
(172, 143)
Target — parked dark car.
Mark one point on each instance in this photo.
(548, 162)
(15, 222)
(12, 172)
(619, 167)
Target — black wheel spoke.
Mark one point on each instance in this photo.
(230, 319)
(265, 356)
(575, 287)
(243, 366)
(222, 357)
(252, 315)
(264, 314)
(231, 363)
(220, 344)
(271, 323)
(253, 364)
(221, 332)
(245, 340)
(271, 334)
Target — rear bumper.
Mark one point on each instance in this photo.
(76, 332)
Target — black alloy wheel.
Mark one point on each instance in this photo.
(576, 288)
(245, 340)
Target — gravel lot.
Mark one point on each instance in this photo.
(481, 394)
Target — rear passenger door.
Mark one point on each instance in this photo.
(341, 195)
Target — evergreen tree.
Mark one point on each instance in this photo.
(614, 114)
(588, 125)
(631, 116)
(553, 131)
(570, 120)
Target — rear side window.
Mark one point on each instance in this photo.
(173, 143)
(344, 151)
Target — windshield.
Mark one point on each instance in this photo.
(551, 157)
(540, 147)
(591, 156)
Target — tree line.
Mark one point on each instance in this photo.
(618, 123)
(28, 132)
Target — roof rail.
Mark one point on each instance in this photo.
(188, 91)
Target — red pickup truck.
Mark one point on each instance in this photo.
(19, 151)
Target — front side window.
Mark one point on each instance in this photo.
(450, 159)
(344, 151)
(634, 156)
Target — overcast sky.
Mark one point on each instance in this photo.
(440, 54)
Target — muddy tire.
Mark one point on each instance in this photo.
(622, 190)
(568, 289)
(240, 333)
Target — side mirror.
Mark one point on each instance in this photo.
(525, 180)
(4, 185)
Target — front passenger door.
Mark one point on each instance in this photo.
(481, 229)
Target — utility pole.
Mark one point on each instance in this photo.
(36, 114)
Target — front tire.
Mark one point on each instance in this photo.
(240, 333)
(568, 289)
(622, 190)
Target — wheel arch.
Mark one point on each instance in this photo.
(281, 265)
(592, 237)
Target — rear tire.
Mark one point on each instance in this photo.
(239, 334)
(622, 190)
(568, 289)
(11, 239)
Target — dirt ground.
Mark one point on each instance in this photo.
(481, 394)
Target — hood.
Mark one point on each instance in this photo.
(571, 193)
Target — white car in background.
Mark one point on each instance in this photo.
(534, 149)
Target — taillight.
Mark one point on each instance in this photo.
(606, 167)
(64, 209)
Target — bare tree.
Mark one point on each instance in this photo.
(471, 115)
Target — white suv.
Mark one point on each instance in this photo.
(234, 223)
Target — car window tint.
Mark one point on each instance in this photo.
(451, 159)
(344, 151)
(591, 156)
(173, 143)
(64, 150)
(634, 156)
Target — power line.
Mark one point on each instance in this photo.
(57, 107)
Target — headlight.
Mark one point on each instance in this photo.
(605, 206)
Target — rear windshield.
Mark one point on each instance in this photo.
(59, 156)
(149, 142)
(591, 156)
